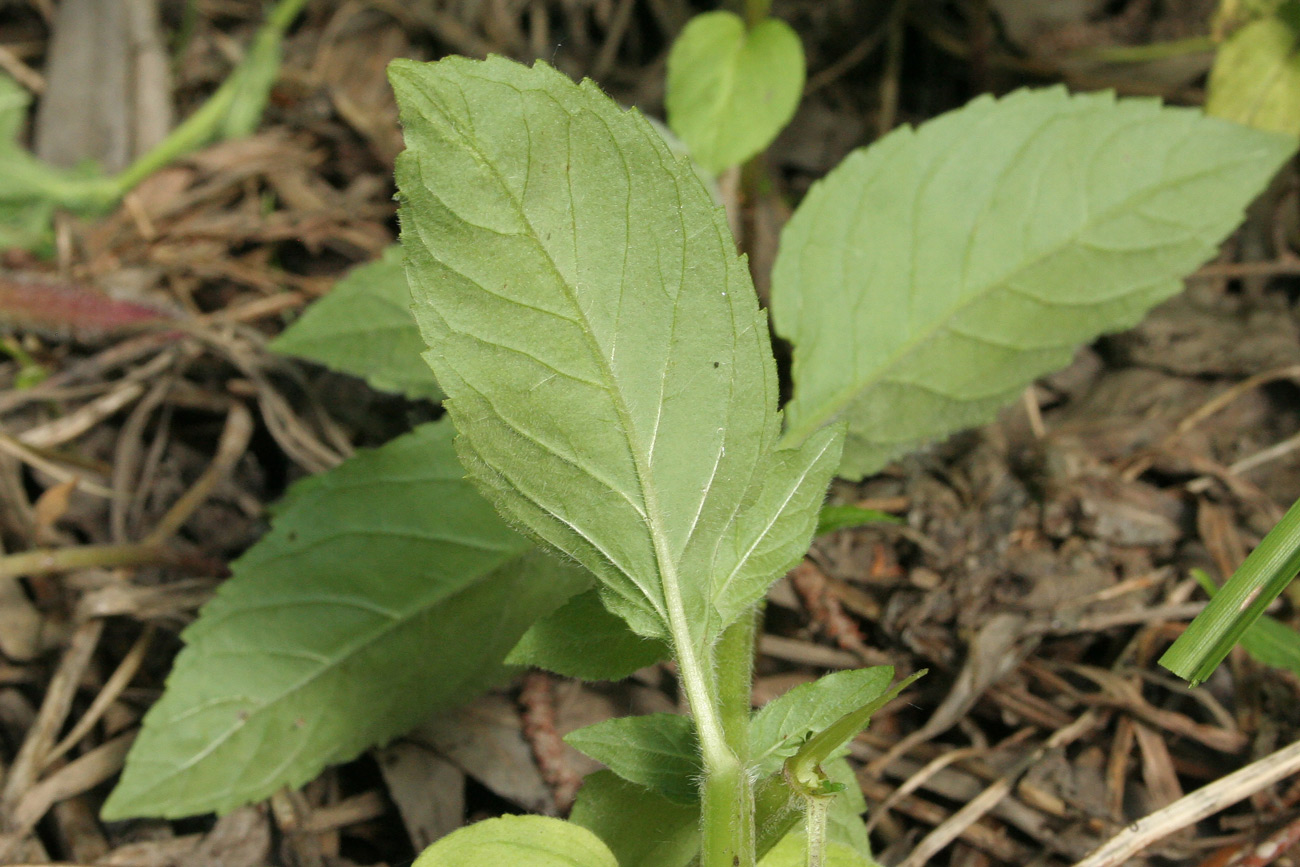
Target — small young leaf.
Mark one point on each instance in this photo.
(364, 327)
(641, 828)
(535, 841)
(834, 518)
(929, 278)
(582, 639)
(730, 91)
(609, 370)
(1256, 74)
(386, 590)
(824, 744)
(658, 751)
(780, 726)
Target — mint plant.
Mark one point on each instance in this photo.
(609, 375)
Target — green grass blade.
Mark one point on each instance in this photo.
(1264, 575)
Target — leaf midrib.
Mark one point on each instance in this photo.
(345, 653)
(845, 396)
(652, 518)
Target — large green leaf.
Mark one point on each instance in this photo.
(583, 639)
(534, 841)
(658, 751)
(607, 365)
(929, 278)
(1256, 74)
(731, 90)
(387, 589)
(364, 327)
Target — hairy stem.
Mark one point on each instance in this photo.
(731, 818)
(725, 810)
(734, 662)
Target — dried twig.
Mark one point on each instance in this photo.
(1195, 806)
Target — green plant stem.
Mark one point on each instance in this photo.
(753, 11)
(43, 561)
(233, 110)
(816, 809)
(242, 95)
(777, 810)
(734, 662)
(727, 816)
(725, 811)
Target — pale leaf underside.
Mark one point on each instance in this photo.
(932, 276)
(599, 339)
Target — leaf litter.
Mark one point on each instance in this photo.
(1043, 565)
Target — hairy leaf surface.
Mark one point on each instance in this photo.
(930, 277)
(731, 90)
(658, 751)
(387, 589)
(607, 365)
(583, 639)
(536, 841)
(364, 327)
(779, 727)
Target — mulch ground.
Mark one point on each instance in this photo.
(1042, 568)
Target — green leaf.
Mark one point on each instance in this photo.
(792, 852)
(780, 727)
(364, 327)
(607, 365)
(582, 639)
(829, 739)
(844, 824)
(730, 91)
(641, 828)
(1269, 641)
(929, 278)
(658, 751)
(535, 841)
(386, 590)
(843, 517)
(1256, 74)
(1263, 576)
